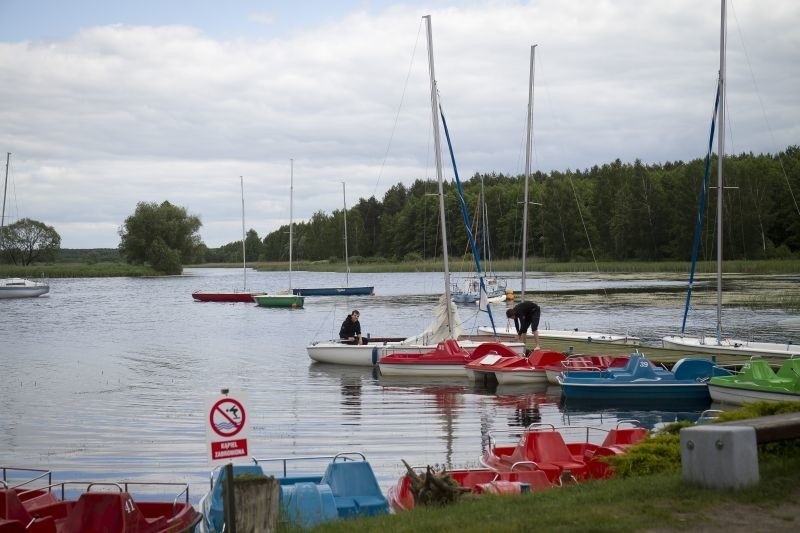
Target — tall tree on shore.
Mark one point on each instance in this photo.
(163, 236)
(27, 241)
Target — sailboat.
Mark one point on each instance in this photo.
(236, 296)
(716, 344)
(469, 290)
(284, 298)
(347, 290)
(16, 287)
(446, 324)
(510, 329)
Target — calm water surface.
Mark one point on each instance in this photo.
(108, 378)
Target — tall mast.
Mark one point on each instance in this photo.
(528, 145)
(5, 188)
(346, 260)
(244, 255)
(720, 158)
(291, 203)
(437, 151)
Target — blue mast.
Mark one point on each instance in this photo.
(699, 223)
(467, 223)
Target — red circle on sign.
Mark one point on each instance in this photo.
(231, 418)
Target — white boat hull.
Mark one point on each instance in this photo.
(709, 345)
(22, 288)
(519, 377)
(571, 335)
(368, 355)
(737, 396)
(406, 369)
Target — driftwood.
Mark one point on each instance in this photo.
(433, 488)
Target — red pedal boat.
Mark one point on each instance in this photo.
(30, 507)
(477, 480)
(584, 362)
(543, 447)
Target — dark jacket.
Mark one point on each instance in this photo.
(349, 328)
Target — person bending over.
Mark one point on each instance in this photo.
(350, 331)
(526, 315)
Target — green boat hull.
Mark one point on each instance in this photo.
(758, 382)
(279, 300)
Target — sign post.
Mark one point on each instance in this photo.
(226, 427)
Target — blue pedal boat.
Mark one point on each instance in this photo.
(640, 379)
(347, 488)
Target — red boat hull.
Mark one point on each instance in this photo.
(478, 481)
(223, 296)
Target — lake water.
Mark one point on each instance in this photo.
(108, 378)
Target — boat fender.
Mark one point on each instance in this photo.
(375, 355)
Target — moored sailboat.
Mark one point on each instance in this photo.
(236, 296)
(347, 290)
(284, 298)
(16, 287)
(718, 343)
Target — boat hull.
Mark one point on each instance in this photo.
(635, 391)
(223, 296)
(451, 370)
(278, 300)
(335, 291)
(519, 376)
(708, 344)
(336, 353)
(22, 288)
(588, 336)
(740, 396)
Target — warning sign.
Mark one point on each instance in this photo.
(226, 432)
(227, 417)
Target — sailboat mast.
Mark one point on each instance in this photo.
(244, 255)
(291, 217)
(346, 260)
(720, 158)
(437, 151)
(528, 145)
(5, 188)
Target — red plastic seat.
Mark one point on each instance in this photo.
(108, 511)
(624, 436)
(550, 453)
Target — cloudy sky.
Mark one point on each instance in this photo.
(106, 104)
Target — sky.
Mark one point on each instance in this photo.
(108, 104)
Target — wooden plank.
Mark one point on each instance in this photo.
(772, 428)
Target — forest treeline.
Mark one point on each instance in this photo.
(615, 212)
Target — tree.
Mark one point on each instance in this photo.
(27, 241)
(165, 236)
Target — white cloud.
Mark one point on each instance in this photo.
(119, 114)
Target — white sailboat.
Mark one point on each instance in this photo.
(16, 287)
(510, 329)
(717, 344)
(284, 298)
(446, 324)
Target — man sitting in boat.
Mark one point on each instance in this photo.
(350, 332)
(526, 315)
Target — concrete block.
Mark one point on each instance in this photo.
(720, 456)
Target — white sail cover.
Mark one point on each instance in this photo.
(437, 331)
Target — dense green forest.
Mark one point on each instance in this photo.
(617, 211)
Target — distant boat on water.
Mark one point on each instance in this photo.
(347, 290)
(17, 287)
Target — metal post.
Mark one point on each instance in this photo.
(720, 158)
(528, 145)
